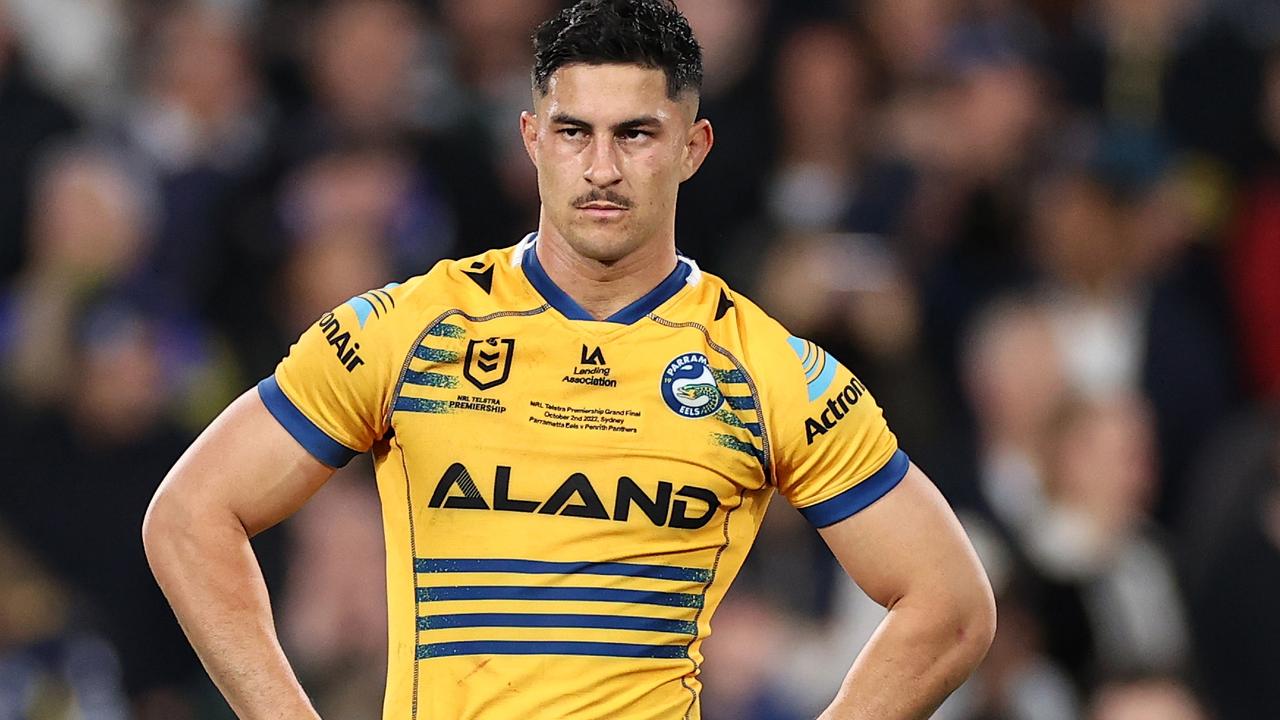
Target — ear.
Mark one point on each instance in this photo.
(698, 142)
(529, 134)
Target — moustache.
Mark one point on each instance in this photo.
(608, 196)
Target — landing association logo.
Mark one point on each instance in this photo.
(689, 387)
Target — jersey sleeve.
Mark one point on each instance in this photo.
(834, 453)
(332, 390)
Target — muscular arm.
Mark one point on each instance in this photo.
(909, 553)
(243, 475)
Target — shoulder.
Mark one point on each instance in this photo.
(733, 320)
(389, 317)
(474, 285)
(467, 281)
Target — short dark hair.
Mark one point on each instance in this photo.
(649, 33)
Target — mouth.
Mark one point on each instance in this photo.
(602, 211)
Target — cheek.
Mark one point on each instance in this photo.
(657, 175)
(556, 168)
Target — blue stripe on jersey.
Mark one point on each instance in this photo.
(606, 622)
(502, 565)
(530, 647)
(309, 436)
(446, 330)
(423, 405)
(743, 402)
(430, 379)
(729, 376)
(833, 510)
(586, 594)
(733, 443)
(436, 355)
(729, 418)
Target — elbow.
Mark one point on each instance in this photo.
(156, 526)
(168, 518)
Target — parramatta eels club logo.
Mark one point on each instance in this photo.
(689, 387)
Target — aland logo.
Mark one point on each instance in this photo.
(689, 387)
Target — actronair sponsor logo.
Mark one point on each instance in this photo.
(819, 366)
(344, 348)
(837, 408)
(375, 302)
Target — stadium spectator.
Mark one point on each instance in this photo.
(32, 118)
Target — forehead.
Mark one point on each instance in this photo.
(607, 94)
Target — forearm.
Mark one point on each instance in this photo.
(207, 569)
(919, 654)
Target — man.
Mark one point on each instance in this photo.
(575, 440)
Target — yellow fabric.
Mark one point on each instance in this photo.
(540, 478)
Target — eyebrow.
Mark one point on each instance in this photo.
(630, 124)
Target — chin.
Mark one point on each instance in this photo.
(605, 244)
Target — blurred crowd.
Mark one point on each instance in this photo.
(1045, 233)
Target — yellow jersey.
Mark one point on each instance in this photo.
(566, 500)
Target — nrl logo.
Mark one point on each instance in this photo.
(489, 362)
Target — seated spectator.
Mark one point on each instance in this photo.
(51, 666)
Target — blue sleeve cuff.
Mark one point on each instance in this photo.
(309, 436)
(833, 510)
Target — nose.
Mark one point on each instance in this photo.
(602, 171)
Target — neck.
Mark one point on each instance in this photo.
(603, 288)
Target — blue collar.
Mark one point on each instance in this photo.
(570, 308)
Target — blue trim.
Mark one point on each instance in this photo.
(547, 288)
(743, 402)
(585, 594)
(531, 647)
(309, 436)
(650, 301)
(858, 497)
(570, 308)
(604, 622)
(658, 572)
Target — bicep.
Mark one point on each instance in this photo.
(246, 464)
(908, 541)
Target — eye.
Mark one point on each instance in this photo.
(634, 134)
(571, 132)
